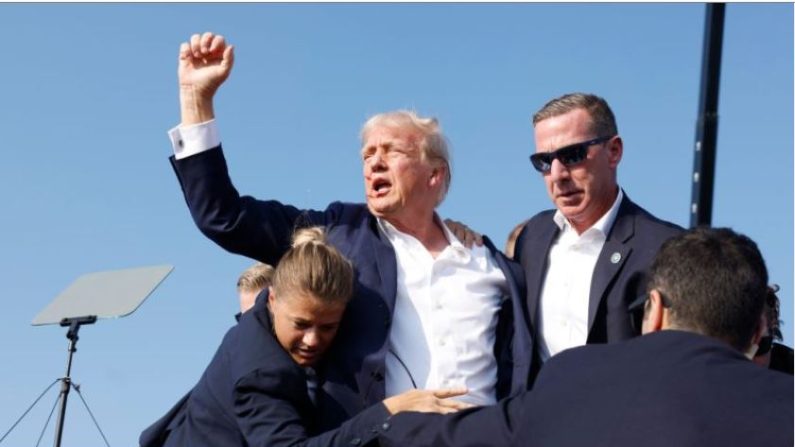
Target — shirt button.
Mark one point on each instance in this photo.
(442, 342)
(438, 305)
(180, 143)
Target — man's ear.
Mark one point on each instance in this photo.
(761, 331)
(271, 296)
(438, 174)
(653, 313)
(615, 151)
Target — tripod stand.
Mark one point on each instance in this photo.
(83, 303)
(74, 325)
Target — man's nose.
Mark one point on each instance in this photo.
(558, 171)
(375, 162)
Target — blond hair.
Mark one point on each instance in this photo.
(255, 278)
(312, 266)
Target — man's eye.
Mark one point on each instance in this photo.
(300, 325)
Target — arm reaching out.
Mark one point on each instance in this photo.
(204, 64)
(427, 401)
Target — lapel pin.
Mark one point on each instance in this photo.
(615, 257)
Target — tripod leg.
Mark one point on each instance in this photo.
(41, 435)
(28, 410)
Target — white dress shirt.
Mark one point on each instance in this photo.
(445, 318)
(194, 139)
(563, 308)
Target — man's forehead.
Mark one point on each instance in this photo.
(562, 130)
(390, 135)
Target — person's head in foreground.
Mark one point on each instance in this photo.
(311, 287)
(712, 282)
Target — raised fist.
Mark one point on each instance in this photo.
(204, 64)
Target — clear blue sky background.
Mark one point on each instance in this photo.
(89, 90)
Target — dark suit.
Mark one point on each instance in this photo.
(669, 388)
(355, 370)
(633, 242)
(252, 393)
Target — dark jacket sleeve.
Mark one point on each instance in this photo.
(254, 228)
(491, 425)
(269, 414)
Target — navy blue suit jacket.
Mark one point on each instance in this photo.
(632, 243)
(355, 372)
(252, 394)
(669, 388)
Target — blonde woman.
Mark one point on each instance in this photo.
(263, 386)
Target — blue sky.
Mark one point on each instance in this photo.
(89, 91)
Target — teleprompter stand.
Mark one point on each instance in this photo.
(110, 294)
(66, 382)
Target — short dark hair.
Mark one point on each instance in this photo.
(603, 122)
(715, 283)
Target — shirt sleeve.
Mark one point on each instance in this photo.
(194, 139)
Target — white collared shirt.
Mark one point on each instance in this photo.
(563, 308)
(445, 318)
(194, 139)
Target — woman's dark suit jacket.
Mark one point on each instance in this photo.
(253, 394)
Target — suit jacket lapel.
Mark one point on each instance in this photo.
(385, 263)
(612, 257)
(535, 259)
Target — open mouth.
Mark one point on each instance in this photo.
(381, 186)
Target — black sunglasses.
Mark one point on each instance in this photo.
(765, 345)
(569, 155)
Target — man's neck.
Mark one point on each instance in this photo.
(582, 226)
(426, 229)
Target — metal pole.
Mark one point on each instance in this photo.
(707, 124)
(66, 382)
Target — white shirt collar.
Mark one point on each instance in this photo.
(457, 247)
(603, 225)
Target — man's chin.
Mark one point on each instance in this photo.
(571, 207)
(379, 210)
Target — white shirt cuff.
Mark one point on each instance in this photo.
(194, 139)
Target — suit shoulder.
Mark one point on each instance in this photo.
(645, 218)
(542, 218)
(251, 346)
(346, 212)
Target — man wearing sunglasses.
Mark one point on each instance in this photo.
(687, 381)
(584, 260)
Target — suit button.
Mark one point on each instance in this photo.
(356, 441)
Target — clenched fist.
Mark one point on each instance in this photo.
(204, 64)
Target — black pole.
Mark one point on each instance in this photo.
(66, 382)
(707, 124)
